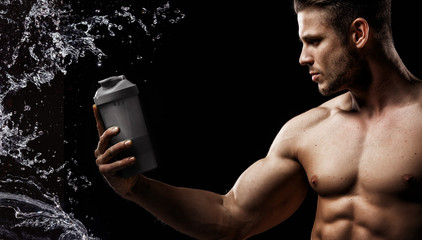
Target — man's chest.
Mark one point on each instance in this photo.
(344, 155)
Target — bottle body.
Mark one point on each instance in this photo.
(125, 112)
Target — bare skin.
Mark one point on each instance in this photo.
(361, 152)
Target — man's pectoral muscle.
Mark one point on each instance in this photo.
(366, 172)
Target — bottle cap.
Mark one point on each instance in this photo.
(114, 88)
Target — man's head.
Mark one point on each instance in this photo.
(341, 13)
(334, 34)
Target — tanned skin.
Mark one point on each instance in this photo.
(361, 152)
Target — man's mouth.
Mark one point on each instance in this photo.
(315, 76)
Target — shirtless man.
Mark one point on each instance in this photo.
(361, 151)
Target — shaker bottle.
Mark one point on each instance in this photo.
(118, 103)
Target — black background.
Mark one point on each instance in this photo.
(216, 89)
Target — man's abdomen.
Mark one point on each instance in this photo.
(366, 217)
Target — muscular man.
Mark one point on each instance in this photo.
(361, 151)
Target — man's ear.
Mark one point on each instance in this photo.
(360, 32)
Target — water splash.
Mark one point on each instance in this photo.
(43, 38)
(49, 39)
(45, 42)
(25, 217)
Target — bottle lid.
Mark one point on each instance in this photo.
(114, 88)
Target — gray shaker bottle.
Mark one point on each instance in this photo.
(118, 103)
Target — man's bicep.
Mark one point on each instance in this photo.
(267, 193)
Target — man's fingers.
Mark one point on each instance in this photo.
(98, 119)
(112, 152)
(105, 140)
(112, 168)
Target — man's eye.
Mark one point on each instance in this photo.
(314, 42)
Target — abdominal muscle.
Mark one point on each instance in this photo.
(361, 218)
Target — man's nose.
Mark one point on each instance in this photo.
(306, 58)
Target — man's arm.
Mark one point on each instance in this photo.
(267, 193)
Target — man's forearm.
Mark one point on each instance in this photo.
(198, 213)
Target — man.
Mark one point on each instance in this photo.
(361, 151)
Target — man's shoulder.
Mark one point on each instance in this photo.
(320, 113)
(294, 132)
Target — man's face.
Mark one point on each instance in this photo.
(329, 59)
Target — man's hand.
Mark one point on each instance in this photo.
(105, 158)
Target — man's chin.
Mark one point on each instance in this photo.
(327, 91)
(323, 90)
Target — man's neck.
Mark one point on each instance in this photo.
(388, 83)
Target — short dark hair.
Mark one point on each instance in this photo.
(342, 13)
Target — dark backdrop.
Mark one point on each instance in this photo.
(216, 88)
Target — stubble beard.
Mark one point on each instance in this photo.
(342, 72)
